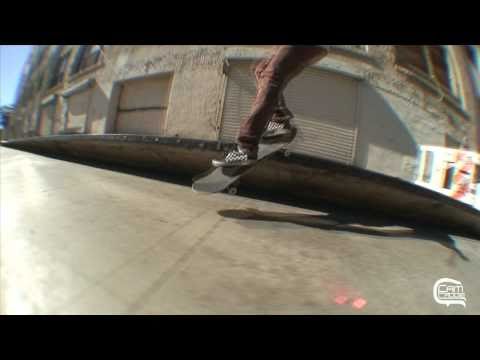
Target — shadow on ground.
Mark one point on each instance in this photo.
(340, 218)
(355, 223)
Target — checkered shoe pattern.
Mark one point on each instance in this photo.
(273, 125)
(235, 156)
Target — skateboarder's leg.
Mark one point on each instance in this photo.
(286, 63)
(282, 114)
(273, 76)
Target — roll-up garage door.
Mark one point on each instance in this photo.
(143, 106)
(77, 111)
(46, 118)
(324, 105)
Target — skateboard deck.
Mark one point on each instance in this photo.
(218, 179)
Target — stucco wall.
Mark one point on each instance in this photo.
(394, 115)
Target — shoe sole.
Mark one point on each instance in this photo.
(283, 136)
(216, 163)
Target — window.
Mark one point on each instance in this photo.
(362, 49)
(39, 54)
(430, 62)
(37, 81)
(87, 56)
(448, 181)
(451, 142)
(470, 54)
(427, 169)
(59, 70)
(411, 57)
(354, 47)
(439, 65)
(26, 92)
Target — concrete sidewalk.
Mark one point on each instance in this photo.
(77, 239)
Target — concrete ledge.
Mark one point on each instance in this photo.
(298, 175)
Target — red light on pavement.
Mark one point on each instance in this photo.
(359, 303)
(342, 299)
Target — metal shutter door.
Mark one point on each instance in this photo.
(239, 96)
(324, 105)
(28, 119)
(47, 119)
(145, 93)
(141, 122)
(143, 106)
(77, 111)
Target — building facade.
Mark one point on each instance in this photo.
(366, 106)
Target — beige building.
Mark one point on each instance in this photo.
(370, 106)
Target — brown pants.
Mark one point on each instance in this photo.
(272, 76)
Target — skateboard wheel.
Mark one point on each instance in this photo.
(287, 153)
(232, 190)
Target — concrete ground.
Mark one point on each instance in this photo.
(77, 239)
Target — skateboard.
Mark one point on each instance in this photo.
(218, 179)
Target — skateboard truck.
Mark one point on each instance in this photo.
(232, 190)
(226, 179)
